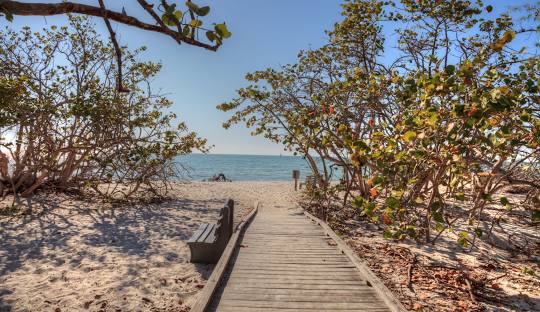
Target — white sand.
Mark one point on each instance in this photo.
(77, 256)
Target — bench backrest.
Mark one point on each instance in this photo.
(224, 224)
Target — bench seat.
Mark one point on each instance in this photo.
(205, 234)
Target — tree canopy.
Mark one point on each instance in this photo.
(445, 112)
(64, 125)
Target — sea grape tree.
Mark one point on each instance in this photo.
(426, 127)
(65, 125)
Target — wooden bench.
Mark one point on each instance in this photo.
(209, 241)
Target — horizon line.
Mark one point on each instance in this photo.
(239, 154)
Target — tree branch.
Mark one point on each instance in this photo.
(46, 9)
(117, 49)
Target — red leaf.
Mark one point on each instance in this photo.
(373, 193)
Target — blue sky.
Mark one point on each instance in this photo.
(266, 33)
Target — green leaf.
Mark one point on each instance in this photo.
(9, 16)
(489, 8)
(178, 14)
(409, 136)
(192, 6)
(359, 202)
(536, 215)
(462, 240)
(203, 11)
(433, 119)
(388, 234)
(450, 69)
(195, 23)
(526, 270)
(211, 35)
(378, 180)
(438, 216)
(169, 19)
(504, 201)
(392, 202)
(361, 145)
(222, 30)
(460, 196)
(478, 232)
(525, 116)
(186, 30)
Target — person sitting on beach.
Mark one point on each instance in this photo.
(220, 178)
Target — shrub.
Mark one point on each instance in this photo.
(65, 126)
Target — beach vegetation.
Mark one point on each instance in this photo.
(428, 108)
(65, 126)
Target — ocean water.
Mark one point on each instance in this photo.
(244, 167)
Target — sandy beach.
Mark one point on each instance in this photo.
(70, 255)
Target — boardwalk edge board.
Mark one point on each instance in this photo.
(386, 295)
(217, 274)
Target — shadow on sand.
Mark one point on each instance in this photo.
(47, 233)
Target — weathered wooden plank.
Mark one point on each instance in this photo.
(261, 309)
(288, 244)
(282, 236)
(285, 250)
(262, 262)
(257, 256)
(263, 251)
(302, 292)
(300, 260)
(320, 297)
(286, 231)
(295, 286)
(325, 273)
(284, 227)
(249, 246)
(253, 245)
(289, 281)
(343, 277)
(312, 266)
(299, 305)
(328, 271)
(198, 232)
(292, 260)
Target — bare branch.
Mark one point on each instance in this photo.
(116, 48)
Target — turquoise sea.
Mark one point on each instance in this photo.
(244, 167)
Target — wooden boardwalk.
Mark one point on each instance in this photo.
(287, 262)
